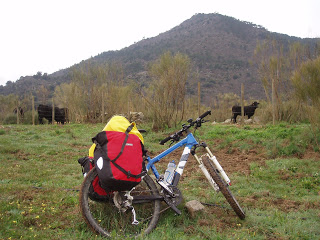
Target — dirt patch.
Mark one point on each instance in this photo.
(285, 175)
(286, 205)
(263, 201)
(28, 196)
(238, 161)
(311, 205)
(311, 154)
(23, 155)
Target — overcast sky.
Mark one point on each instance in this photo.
(49, 35)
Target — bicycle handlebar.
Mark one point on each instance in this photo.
(165, 140)
(176, 136)
(205, 114)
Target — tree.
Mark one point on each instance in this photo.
(166, 94)
(96, 90)
(7, 105)
(38, 75)
(43, 94)
(271, 66)
(275, 66)
(306, 82)
(271, 63)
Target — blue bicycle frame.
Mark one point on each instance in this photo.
(188, 142)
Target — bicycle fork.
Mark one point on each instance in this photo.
(218, 168)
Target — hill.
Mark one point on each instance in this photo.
(220, 48)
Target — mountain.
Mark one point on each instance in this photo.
(220, 49)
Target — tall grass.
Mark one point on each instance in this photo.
(291, 111)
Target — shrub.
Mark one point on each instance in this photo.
(223, 105)
(289, 111)
(27, 119)
(10, 119)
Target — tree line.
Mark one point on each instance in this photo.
(290, 78)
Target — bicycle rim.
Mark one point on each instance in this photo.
(224, 188)
(106, 219)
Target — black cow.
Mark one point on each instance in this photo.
(61, 115)
(248, 110)
(45, 111)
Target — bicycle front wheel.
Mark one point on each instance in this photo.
(223, 188)
(106, 219)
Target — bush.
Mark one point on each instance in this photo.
(290, 111)
(10, 119)
(27, 119)
(223, 106)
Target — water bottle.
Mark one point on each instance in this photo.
(169, 173)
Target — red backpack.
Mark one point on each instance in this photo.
(118, 157)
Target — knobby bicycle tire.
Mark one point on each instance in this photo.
(104, 218)
(223, 188)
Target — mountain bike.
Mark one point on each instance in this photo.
(137, 211)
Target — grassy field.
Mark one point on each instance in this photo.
(275, 174)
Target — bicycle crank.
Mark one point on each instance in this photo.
(173, 202)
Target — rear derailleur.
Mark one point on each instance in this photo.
(123, 201)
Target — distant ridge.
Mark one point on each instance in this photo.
(220, 48)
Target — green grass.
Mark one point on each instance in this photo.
(275, 140)
(40, 175)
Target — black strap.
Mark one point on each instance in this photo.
(124, 143)
(128, 173)
(96, 143)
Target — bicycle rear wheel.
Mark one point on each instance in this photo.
(106, 219)
(223, 187)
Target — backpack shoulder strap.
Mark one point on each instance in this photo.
(128, 173)
(123, 144)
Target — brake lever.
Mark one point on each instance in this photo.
(171, 142)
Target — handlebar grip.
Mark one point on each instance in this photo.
(165, 140)
(205, 114)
